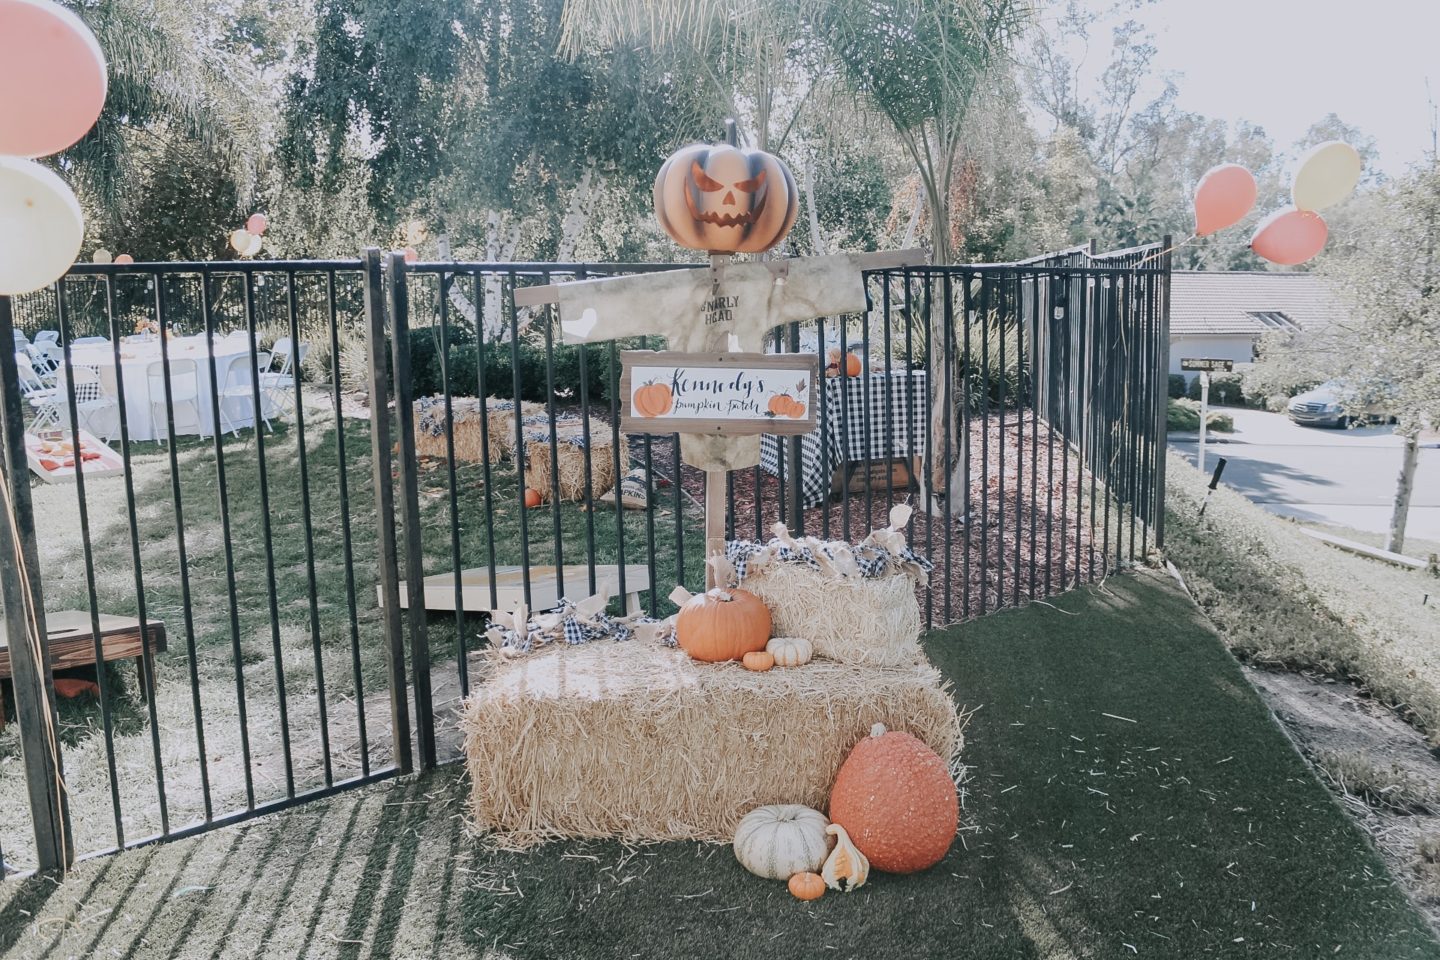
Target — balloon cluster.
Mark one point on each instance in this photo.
(52, 86)
(1293, 234)
(246, 241)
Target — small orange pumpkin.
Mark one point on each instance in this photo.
(807, 886)
(654, 400)
(722, 625)
(723, 199)
(532, 497)
(895, 798)
(758, 660)
(832, 366)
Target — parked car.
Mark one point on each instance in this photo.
(1325, 406)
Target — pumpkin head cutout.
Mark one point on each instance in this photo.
(722, 625)
(896, 799)
(721, 198)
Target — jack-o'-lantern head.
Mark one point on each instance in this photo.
(723, 199)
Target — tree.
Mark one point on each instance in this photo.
(1385, 349)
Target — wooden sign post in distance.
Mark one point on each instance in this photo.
(723, 199)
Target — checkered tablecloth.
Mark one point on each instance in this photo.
(896, 406)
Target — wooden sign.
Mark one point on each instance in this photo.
(1206, 365)
(720, 394)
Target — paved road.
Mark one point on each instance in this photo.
(1344, 477)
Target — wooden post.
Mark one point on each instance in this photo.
(25, 627)
(714, 521)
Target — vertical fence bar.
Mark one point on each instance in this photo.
(398, 301)
(384, 479)
(1162, 336)
(457, 584)
(25, 625)
(481, 351)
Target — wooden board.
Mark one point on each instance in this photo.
(510, 587)
(71, 645)
(739, 386)
(107, 463)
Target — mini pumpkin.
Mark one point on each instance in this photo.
(781, 840)
(896, 799)
(790, 651)
(784, 405)
(846, 868)
(723, 199)
(532, 497)
(851, 364)
(758, 660)
(807, 886)
(654, 400)
(722, 625)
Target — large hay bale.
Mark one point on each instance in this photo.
(501, 422)
(859, 620)
(468, 415)
(571, 449)
(638, 741)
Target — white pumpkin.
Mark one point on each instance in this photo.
(781, 840)
(790, 651)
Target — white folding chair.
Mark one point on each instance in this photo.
(184, 395)
(21, 341)
(43, 398)
(279, 385)
(96, 411)
(46, 336)
(86, 341)
(236, 387)
(46, 358)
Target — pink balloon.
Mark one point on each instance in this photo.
(1290, 236)
(1222, 198)
(410, 255)
(52, 78)
(124, 258)
(257, 223)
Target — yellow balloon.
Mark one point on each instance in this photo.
(41, 227)
(1327, 175)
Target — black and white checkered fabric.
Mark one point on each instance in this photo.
(894, 406)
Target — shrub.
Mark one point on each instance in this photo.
(564, 367)
(1226, 390)
(1183, 416)
(1177, 386)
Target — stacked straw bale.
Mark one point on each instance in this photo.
(571, 450)
(468, 414)
(856, 620)
(638, 741)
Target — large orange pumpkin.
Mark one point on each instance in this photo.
(723, 199)
(895, 798)
(722, 625)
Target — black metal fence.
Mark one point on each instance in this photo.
(408, 417)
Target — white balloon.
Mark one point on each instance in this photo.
(102, 256)
(41, 227)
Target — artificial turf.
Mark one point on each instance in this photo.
(1129, 796)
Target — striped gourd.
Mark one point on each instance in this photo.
(782, 840)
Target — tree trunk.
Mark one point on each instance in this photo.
(577, 216)
(500, 244)
(1403, 488)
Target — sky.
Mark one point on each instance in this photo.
(1284, 64)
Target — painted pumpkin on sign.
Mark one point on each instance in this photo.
(654, 400)
(723, 199)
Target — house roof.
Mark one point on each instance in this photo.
(1241, 303)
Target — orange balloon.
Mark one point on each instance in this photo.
(1222, 198)
(124, 258)
(1290, 236)
(52, 78)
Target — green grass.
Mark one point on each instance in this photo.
(1129, 796)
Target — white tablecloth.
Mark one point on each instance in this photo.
(144, 412)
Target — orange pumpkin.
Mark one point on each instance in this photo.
(532, 497)
(653, 400)
(895, 798)
(723, 199)
(832, 367)
(784, 405)
(722, 625)
(758, 660)
(806, 886)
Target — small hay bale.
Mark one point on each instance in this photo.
(498, 416)
(859, 620)
(638, 741)
(570, 446)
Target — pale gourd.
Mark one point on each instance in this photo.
(781, 840)
(790, 651)
(846, 868)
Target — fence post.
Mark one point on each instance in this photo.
(385, 508)
(398, 297)
(25, 626)
(1162, 400)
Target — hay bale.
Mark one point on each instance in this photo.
(638, 741)
(468, 414)
(571, 448)
(857, 620)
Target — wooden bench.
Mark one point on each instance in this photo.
(544, 588)
(72, 644)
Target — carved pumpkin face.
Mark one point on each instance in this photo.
(724, 199)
